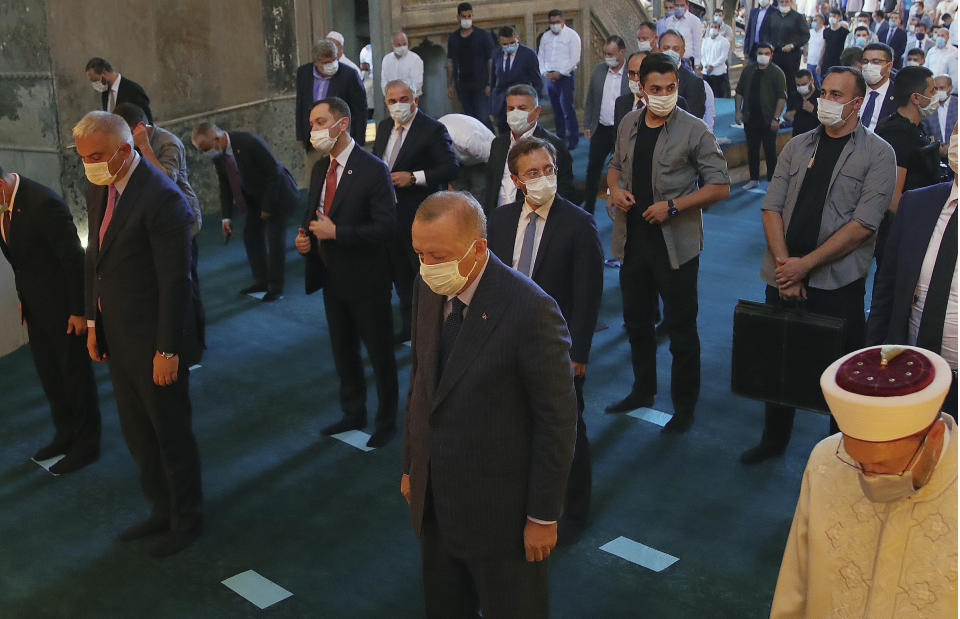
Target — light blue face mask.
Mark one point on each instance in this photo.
(678, 12)
(674, 56)
(509, 49)
(941, 42)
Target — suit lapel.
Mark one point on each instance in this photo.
(925, 221)
(346, 181)
(124, 206)
(509, 240)
(549, 231)
(429, 317)
(406, 147)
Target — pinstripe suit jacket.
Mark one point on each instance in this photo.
(494, 436)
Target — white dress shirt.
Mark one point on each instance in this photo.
(709, 106)
(611, 90)
(366, 56)
(112, 96)
(877, 104)
(471, 138)
(691, 30)
(409, 68)
(508, 191)
(942, 61)
(419, 176)
(948, 348)
(815, 46)
(942, 110)
(509, 59)
(714, 53)
(341, 166)
(13, 197)
(559, 52)
(541, 222)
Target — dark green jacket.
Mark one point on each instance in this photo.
(774, 89)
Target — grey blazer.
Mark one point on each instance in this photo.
(170, 151)
(591, 113)
(494, 436)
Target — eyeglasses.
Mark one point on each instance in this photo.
(876, 61)
(844, 457)
(633, 75)
(535, 174)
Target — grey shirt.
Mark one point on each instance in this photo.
(685, 150)
(860, 190)
(170, 152)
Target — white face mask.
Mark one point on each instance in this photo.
(541, 190)
(330, 69)
(942, 96)
(518, 121)
(663, 105)
(556, 28)
(886, 488)
(634, 87)
(872, 73)
(783, 9)
(466, 23)
(804, 90)
(99, 173)
(833, 21)
(764, 4)
(763, 59)
(644, 46)
(713, 33)
(913, 63)
(444, 278)
(400, 51)
(611, 62)
(952, 153)
(830, 113)
(930, 107)
(322, 141)
(401, 113)
(674, 56)
(99, 86)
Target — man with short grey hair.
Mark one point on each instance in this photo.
(402, 64)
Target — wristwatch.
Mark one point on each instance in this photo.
(167, 355)
(672, 210)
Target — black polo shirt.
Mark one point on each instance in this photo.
(913, 149)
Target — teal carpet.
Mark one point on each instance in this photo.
(327, 522)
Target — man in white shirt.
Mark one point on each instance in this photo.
(401, 64)
(366, 76)
(471, 145)
(815, 48)
(689, 28)
(559, 55)
(609, 81)
(942, 57)
(877, 62)
(714, 55)
(940, 125)
(337, 40)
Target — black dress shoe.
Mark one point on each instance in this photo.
(75, 460)
(272, 296)
(678, 424)
(55, 448)
(629, 403)
(254, 288)
(760, 452)
(173, 542)
(382, 437)
(150, 526)
(344, 425)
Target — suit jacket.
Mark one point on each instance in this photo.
(494, 435)
(500, 148)
(749, 45)
(691, 89)
(344, 84)
(355, 264)
(268, 187)
(889, 105)
(931, 123)
(569, 264)
(46, 256)
(141, 273)
(428, 147)
(898, 42)
(903, 256)
(525, 69)
(128, 91)
(591, 113)
(626, 104)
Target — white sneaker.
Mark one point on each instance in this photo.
(751, 185)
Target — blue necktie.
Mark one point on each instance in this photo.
(526, 250)
(868, 109)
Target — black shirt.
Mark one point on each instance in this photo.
(833, 41)
(913, 149)
(637, 226)
(803, 120)
(470, 55)
(804, 230)
(760, 81)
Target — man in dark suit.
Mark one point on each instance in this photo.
(877, 69)
(940, 124)
(787, 30)
(140, 318)
(893, 35)
(252, 180)
(751, 38)
(115, 89)
(38, 238)
(350, 221)
(691, 87)
(557, 245)
(523, 114)
(490, 423)
(418, 152)
(514, 63)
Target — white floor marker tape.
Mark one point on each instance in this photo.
(653, 416)
(259, 591)
(354, 438)
(46, 464)
(638, 553)
(195, 366)
(257, 295)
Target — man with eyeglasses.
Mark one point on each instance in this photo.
(875, 528)
(877, 61)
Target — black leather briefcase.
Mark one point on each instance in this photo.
(780, 352)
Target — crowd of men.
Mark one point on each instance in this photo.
(499, 294)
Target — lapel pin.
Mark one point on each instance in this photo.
(349, 171)
(483, 316)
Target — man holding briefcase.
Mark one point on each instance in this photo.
(820, 217)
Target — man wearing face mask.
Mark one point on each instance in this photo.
(559, 55)
(942, 58)
(402, 64)
(556, 244)
(661, 157)
(647, 37)
(862, 35)
(469, 61)
(690, 29)
(140, 320)
(713, 55)
(662, 20)
(815, 47)
(834, 38)
(788, 32)
(918, 39)
(877, 64)
(758, 15)
(327, 77)
(419, 154)
(827, 198)
(608, 82)
(915, 58)
(915, 292)
(939, 126)
(875, 528)
(523, 112)
(349, 224)
(893, 35)
(114, 88)
(759, 101)
(802, 104)
(514, 64)
(490, 423)
(692, 88)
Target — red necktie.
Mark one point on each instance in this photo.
(330, 188)
(236, 188)
(108, 214)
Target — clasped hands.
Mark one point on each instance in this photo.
(790, 274)
(656, 213)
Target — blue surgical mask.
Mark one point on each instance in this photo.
(673, 56)
(941, 42)
(509, 49)
(861, 42)
(678, 12)
(717, 19)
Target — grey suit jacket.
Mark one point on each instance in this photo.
(170, 151)
(931, 124)
(493, 438)
(591, 113)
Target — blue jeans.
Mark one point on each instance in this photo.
(561, 98)
(816, 76)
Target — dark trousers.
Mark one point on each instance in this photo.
(404, 263)
(757, 135)
(156, 423)
(502, 587)
(579, 485)
(201, 315)
(351, 320)
(265, 241)
(719, 84)
(883, 233)
(561, 98)
(474, 103)
(846, 303)
(63, 366)
(789, 63)
(601, 145)
(644, 274)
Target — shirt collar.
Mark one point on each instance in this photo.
(882, 90)
(228, 150)
(319, 76)
(121, 183)
(525, 134)
(345, 153)
(467, 295)
(115, 87)
(409, 122)
(13, 196)
(617, 71)
(542, 211)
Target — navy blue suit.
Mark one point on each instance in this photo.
(898, 41)
(344, 84)
(524, 69)
(749, 45)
